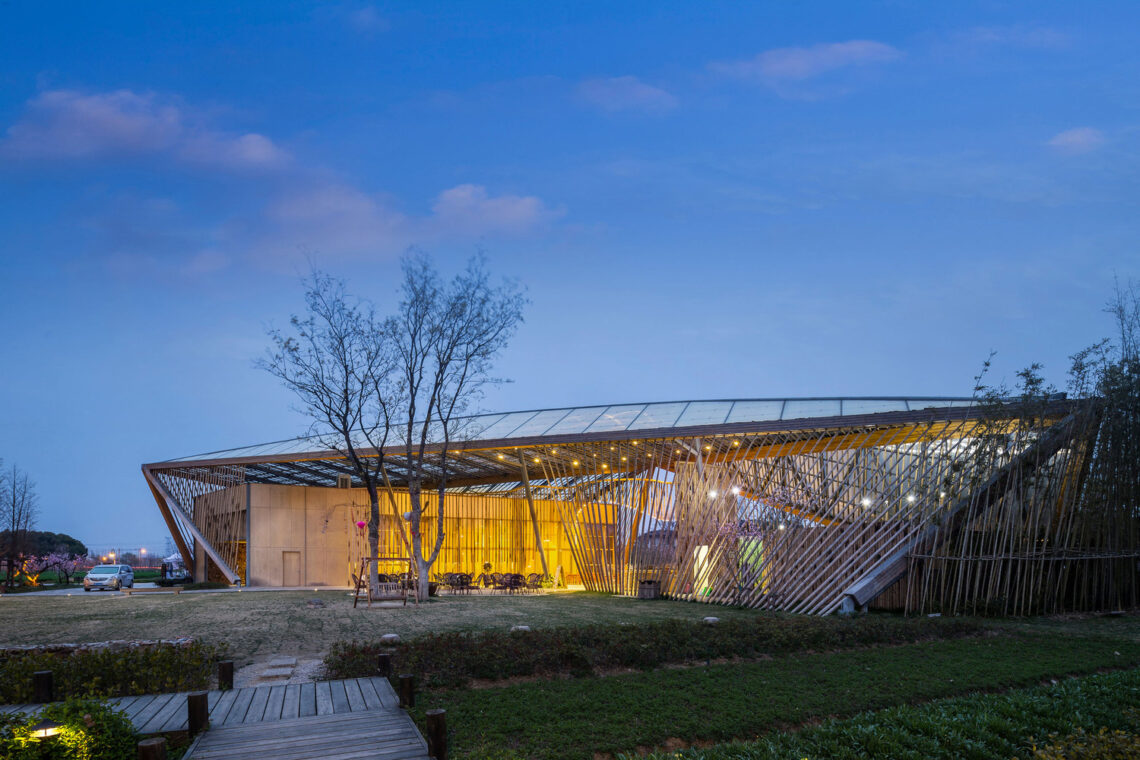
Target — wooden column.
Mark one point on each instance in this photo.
(437, 733)
(152, 749)
(226, 675)
(197, 712)
(533, 515)
(407, 690)
(43, 687)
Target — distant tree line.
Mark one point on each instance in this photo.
(41, 542)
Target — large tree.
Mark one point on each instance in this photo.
(339, 364)
(445, 337)
(18, 507)
(407, 381)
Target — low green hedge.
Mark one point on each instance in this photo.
(89, 730)
(1096, 714)
(453, 659)
(112, 673)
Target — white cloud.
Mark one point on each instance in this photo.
(796, 64)
(625, 93)
(61, 125)
(470, 210)
(250, 150)
(289, 207)
(335, 219)
(368, 20)
(341, 220)
(204, 262)
(1078, 140)
(1038, 37)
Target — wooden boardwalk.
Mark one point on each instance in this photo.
(376, 735)
(352, 718)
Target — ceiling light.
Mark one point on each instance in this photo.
(575, 463)
(736, 490)
(712, 494)
(536, 460)
(866, 501)
(911, 498)
(781, 526)
(623, 459)
(736, 443)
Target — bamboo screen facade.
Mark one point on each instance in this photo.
(926, 506)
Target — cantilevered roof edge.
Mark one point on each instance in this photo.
(932, 414)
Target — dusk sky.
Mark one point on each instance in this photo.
(703, 200)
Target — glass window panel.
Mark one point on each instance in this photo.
(658, 415)
(500, 428)
(872, 406)
(704, 413)
(755, 411)
(540, 423)
(795, 410)
(577, 421)
(616, 418)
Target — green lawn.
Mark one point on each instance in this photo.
(1063, 721)
(593, 716)
(579, 718)
(258, 625)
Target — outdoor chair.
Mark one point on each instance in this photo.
(534, 582)
(464, 584)
(499, 583)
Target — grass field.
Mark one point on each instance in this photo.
(258, 625)
(1082, 718)
(671, 707)
(622, 711)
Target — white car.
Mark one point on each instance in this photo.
(113, 577)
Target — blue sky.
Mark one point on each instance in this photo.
(704, 200)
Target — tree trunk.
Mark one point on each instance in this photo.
(373, 541)
(423, 573)
(422, 567)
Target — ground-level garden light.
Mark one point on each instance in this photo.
(45, 729)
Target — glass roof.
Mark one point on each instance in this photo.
(570, 421)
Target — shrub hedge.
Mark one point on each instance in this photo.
(453, 659)
(89, 730)
(112, 672)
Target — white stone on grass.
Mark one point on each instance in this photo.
(712, 620)
(390, 639)
(519, 628)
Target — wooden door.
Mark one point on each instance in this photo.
(290, 568)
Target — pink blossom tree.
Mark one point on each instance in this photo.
(65, 564)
